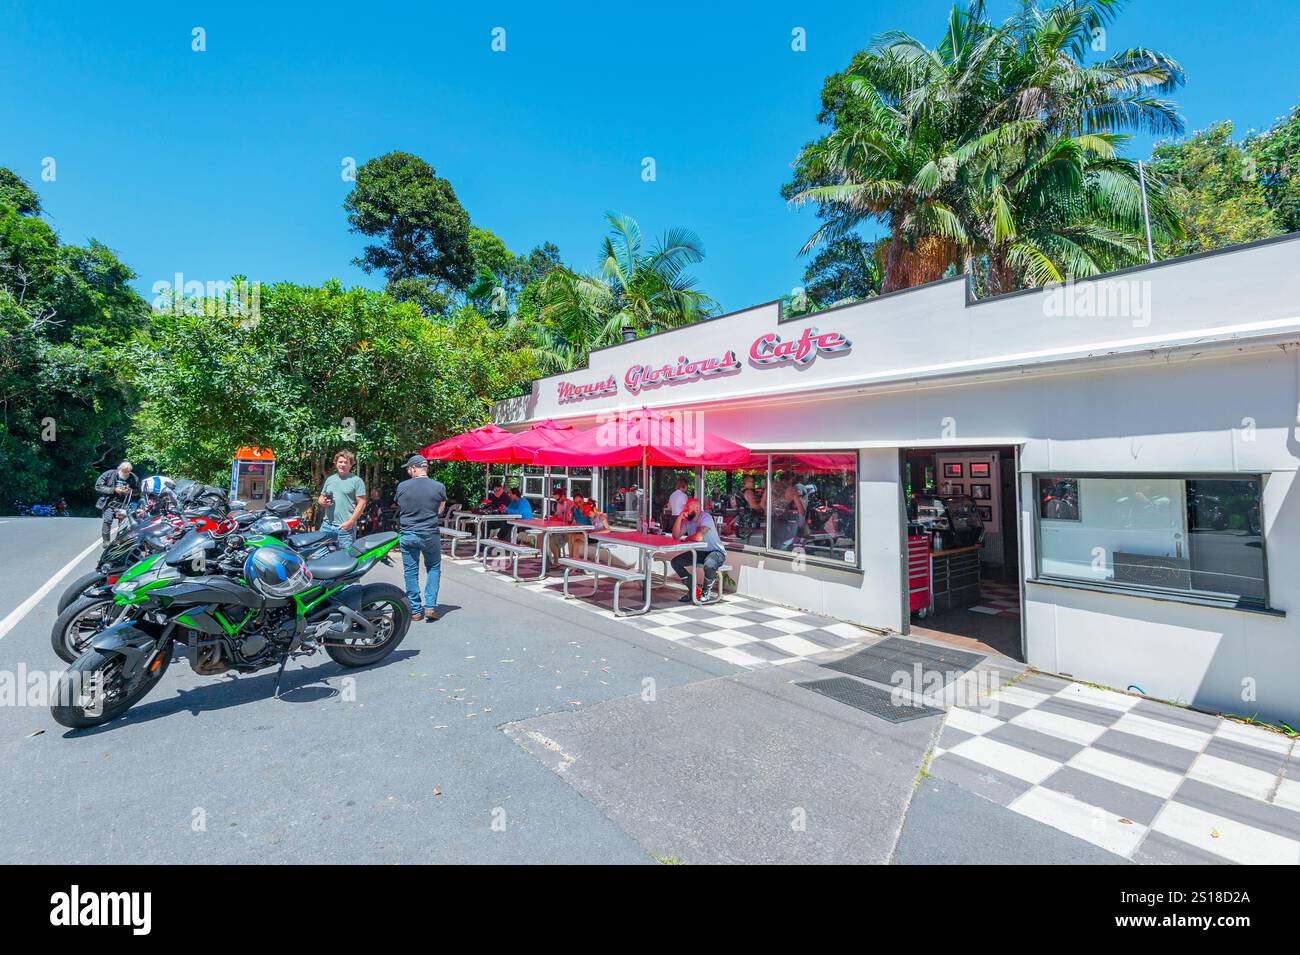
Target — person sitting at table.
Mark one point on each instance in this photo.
(562, 511)
(517, 505)
(561, 506)
(696, 524)
(497, 499)
(579, 514)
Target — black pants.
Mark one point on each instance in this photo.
(107, 526)
(710, 561)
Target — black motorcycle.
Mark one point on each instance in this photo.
(226, 624)
(95, 606)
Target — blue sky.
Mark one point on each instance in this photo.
(228, 161)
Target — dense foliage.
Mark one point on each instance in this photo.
(65, 311)
(316, 369)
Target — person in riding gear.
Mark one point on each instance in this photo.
(115, 488)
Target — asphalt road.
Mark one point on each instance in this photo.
(516, 729)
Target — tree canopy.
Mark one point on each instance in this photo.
(65, 311)
(424, 247)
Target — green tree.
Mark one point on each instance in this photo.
(65, 313)
(846, 270)
(424, 247)
(1216, 190)
(1277, 164)
(638, 290)
(993, 152)
(372, 375)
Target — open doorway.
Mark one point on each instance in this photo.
(962, 542)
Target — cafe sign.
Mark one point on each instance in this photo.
(640, 377)
(595, 389)
(767, 351)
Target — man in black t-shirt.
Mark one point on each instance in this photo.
(420, 503)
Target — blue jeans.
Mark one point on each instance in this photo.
(430, 545)
(346, 538)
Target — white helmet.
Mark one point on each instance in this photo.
(158, 485)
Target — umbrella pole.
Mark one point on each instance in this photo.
(645, 492)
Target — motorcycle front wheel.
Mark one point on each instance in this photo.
(94, 691)
(79, 587)
(78, 624)
(385, 606)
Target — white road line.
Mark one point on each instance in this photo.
(1228, 838)
(24, 608)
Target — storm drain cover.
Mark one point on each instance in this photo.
(881, 661)
(868, 699)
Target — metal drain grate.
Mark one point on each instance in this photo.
(879, 662)
(868, 699)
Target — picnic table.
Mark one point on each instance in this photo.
(480, 520)
(647, 546)
(544, 528)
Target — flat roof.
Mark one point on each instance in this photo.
(1235, 298)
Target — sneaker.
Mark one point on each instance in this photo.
(684, 599)
(707, 593)
(418, 615)
(431, 615)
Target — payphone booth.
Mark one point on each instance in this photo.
(252, 476)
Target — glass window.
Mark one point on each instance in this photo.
(736, 499)
(664, 482)
(620, 495)
(812, 505)
(1199, 536)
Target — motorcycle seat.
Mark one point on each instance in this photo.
(311, 539)
(333, 566)
(371, 541)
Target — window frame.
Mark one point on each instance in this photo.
(1197, 597)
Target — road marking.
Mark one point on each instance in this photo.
(23, 609)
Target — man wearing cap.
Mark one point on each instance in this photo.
(696, 524)
(420, 503)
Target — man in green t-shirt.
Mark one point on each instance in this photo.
(344, 498)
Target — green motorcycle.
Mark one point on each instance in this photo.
(230, 622)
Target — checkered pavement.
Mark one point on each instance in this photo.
(997, 599)
(1148, 781)
(740, 630)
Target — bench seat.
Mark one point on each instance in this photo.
(515, 551)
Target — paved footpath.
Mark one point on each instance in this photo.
(525, 728)
(1145, 780)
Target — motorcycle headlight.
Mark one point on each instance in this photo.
(128, 587)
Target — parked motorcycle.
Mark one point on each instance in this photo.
(227, 623)
(99, 603)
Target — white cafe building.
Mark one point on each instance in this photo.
(1098, 479)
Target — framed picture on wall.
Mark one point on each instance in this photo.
(986, 513)
(953, 487)
(982, 492)
(953, 469)
(979, 469)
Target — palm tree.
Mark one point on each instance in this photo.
(636, 291)
(993, 153)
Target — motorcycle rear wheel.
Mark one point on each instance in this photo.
(118, 696)
(386, 606)
(78, 624)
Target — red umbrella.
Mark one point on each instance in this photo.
(454, 448)
(521, 448)
(659, 438)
